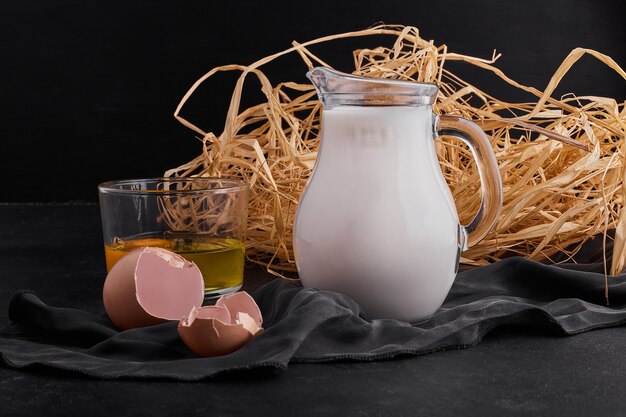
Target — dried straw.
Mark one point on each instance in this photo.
(561, 161)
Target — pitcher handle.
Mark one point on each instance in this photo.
(491, 184)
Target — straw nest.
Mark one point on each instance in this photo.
(562, 162)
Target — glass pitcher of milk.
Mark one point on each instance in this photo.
(377, 221)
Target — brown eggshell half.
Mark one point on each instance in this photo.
(212, 331)
(150, 286)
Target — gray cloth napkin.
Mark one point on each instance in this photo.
(307, 325)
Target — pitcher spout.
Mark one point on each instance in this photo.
(338, 88)
(319, 78)
(326, 81)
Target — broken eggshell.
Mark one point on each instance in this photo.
(223, 328)
(150, 286)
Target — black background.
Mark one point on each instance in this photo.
(89, 87)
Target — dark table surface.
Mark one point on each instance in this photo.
(56, 251)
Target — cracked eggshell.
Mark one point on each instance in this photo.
(150, 286)
(222, 329)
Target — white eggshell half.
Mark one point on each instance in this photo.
(149, 286)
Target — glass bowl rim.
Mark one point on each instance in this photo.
(234, 184)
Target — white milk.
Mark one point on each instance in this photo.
(377, 220)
